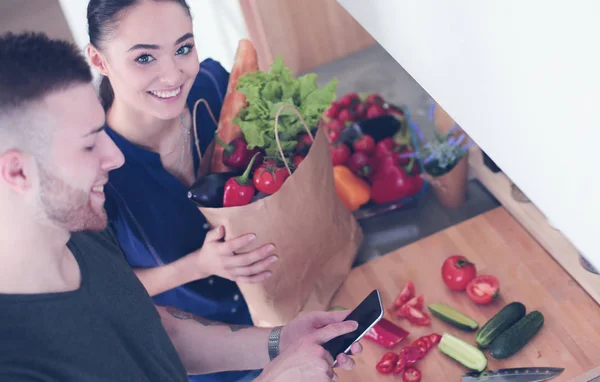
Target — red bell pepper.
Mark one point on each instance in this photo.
(339, 153)
(411, 374)
(387, 363)
(237, 155)
(385, 147)
(435, 338)
(414, 315)
(390, 182)
(239, 190)
(401, 363)
(387, 334)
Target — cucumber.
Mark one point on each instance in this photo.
(503, 320)
(517, 336)
(465, 353)
(453, 317)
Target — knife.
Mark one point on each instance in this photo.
(524, 374)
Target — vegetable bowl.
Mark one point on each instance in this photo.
(373, 144)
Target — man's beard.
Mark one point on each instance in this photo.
(68, 206)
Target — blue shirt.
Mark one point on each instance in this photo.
(156, 223)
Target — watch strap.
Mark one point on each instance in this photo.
(274, 337)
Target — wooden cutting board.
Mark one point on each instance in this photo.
(498, 245)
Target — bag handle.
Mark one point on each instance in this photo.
(287, 106)
(194, 127)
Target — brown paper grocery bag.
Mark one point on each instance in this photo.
(315, 235)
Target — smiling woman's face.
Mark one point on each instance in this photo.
(150, 58)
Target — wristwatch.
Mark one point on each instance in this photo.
(274, 342)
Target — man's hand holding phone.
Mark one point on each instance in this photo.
(304, 358)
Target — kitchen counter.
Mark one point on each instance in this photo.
(498, 245)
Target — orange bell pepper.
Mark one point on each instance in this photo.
(350, 188)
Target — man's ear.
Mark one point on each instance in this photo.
(96, 59)
(16, 170)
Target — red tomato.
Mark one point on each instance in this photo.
(457, 272)
(297, 159)
(483, 289)
(268, 179)
(407, 293)
(435, 338)
(365, 144)
(345, 115)
(414, 315)
(333, 111)
(416, 302)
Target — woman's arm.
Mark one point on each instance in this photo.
(216, 257)
(160, 279)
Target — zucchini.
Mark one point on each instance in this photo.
(453, 317)
(503, 320)
(517, 336)
(462, 352)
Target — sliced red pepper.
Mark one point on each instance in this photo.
(387, 363)
(407, 293)
(415, 316)
(412, 354)
(411, 374)
(421, 344)
(401, 363)
(435, 338)
(387, 334)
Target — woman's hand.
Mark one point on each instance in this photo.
(221, 258)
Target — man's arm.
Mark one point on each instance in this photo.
(206, 346)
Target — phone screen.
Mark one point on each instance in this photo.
(367, 314)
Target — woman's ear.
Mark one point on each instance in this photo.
(96, 59)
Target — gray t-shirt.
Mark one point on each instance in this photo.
(107, 330)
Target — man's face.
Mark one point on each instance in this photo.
(82, 154)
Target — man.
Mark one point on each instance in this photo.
(71, 308)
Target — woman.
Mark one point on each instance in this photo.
(152, 80)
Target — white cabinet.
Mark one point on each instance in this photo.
(523, 79)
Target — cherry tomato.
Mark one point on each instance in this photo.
(407, 293)
(297, 159)
(387, 363)
(304, 143)
(411, 374)
(483, 289)
(268, 178)
(457, 272)
(339, 153)
(365, 144)
(333, 135)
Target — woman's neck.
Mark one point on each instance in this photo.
(143, 130)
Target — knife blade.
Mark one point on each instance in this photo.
(523, 374)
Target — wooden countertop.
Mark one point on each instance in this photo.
(498, 245)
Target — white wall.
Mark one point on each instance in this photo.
(523, 79)
(218, 26)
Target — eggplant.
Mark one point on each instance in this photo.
(378, 128)
(208, 190)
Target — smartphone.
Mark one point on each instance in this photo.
(367, 314)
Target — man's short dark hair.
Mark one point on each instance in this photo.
(33, 65)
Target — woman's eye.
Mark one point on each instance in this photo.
(90, 148)
(144, 59)
(186, 49)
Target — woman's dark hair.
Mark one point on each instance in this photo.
(102, 17)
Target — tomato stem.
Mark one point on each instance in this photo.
(462, 262)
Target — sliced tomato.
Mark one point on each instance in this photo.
(416, 302)
(483, 289)
(435, 338)
(414, 315)
(407, 293)
(411, 374)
